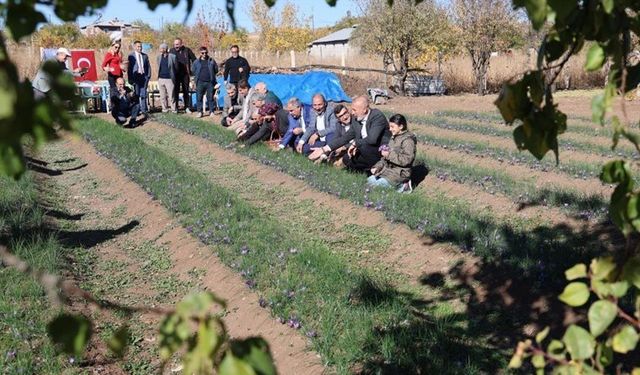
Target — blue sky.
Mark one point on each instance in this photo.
(129, 10)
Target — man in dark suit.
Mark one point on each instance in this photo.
(139, 74)
(124, 104)
(369, 131)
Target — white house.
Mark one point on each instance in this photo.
(334, 45)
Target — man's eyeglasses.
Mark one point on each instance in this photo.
(203, 52)
(344, 114)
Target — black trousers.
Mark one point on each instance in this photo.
(182, 84)
(112, 80)
(366, 157)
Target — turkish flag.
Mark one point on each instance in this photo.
(84, 58)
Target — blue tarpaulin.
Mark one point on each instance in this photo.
(302, 86)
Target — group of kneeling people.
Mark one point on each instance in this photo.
(359, 139)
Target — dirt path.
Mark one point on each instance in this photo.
(541, 179)
(150, 233)
(575, 103)
(506, 144)
(411, 255)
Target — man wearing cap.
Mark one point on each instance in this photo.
(167, 68)
(205, 70)
(41, 85)
(139, 74)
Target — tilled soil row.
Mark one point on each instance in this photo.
(506, 144)
(568, 137)
(542, 179)
(244, 316)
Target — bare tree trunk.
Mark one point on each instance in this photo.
(480, 61)
(404, 70)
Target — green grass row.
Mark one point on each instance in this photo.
(356, 319)
(575, 124)
(484, 128)
(515, 244)
(24, 309)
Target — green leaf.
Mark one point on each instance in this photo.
(562, 8)
(556, 350)
(616, 171)
(631, 271)
(575, 294)
(199, 358)
(255, 352)
(72, 332)
(598, 109)
(580, 344)
(11, 159)
(602, 267)
(607, 5)
(538, 361)
(595, 58)
(576, 272)
(619, 289)
(234, 366)
(537, 10)
(117, 343)
(601, 314)
(542, 335)
(625, 340)
(22, 19)
(604, 355)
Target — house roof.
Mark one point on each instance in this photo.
(111, 23)
(342, 35)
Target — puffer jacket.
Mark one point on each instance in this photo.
(396, 167)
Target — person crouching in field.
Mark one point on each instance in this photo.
(125, 104)
(394, 168)
(232, 108)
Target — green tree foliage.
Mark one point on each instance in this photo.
(401, 32)
(68, 35)
(608, 288)
(51, 35)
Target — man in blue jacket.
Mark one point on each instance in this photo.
(139, 74)
(321, 127)
(204, 70)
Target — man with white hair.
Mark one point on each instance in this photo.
(369, 131)
(41, 83)
(231, 108)
(270, 97)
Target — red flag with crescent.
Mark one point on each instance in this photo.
(85, 58)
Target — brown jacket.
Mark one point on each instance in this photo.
(396, 167)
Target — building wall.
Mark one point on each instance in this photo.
(332, 51)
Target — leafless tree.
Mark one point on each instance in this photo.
(400, 32)
(484, 26)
